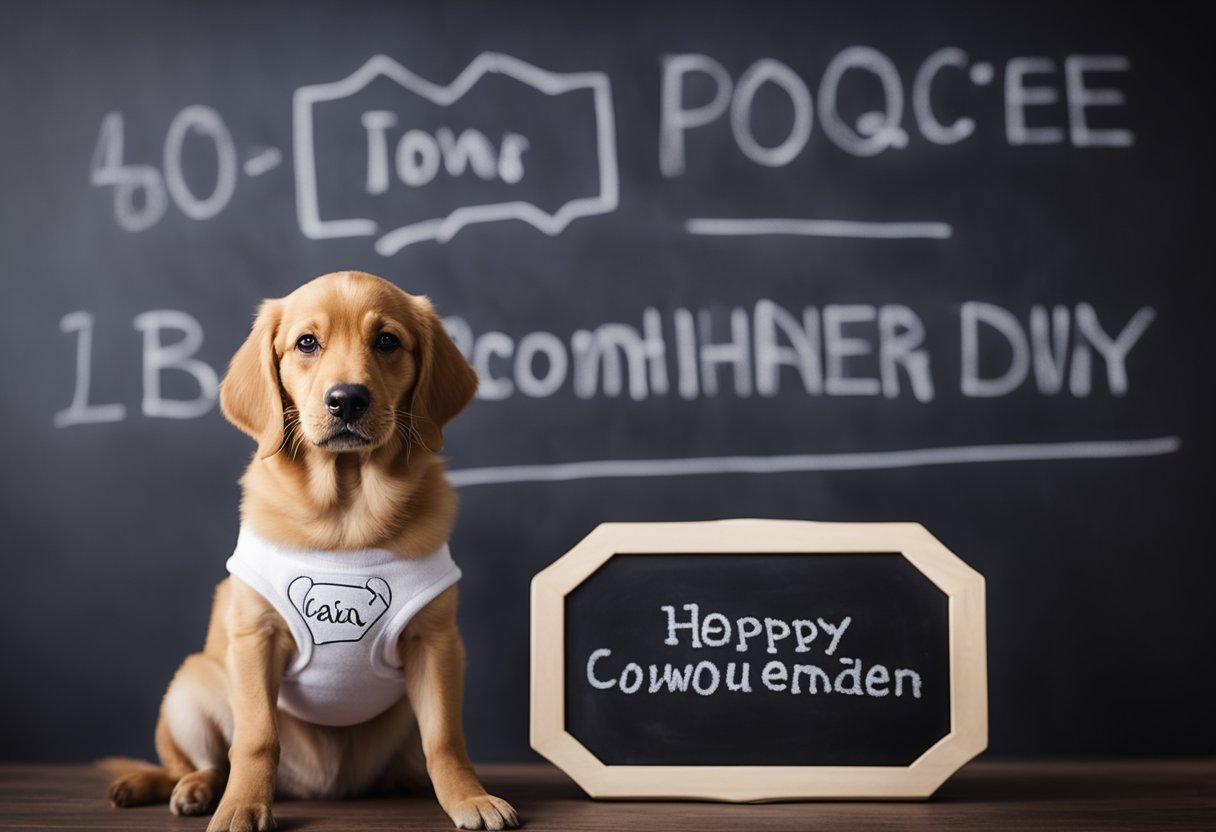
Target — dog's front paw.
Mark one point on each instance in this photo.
(484, 812)
(241, 816)
(196, 793)
(131, 790)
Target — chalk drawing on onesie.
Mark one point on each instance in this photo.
(339, 612)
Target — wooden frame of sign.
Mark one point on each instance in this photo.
(963, 586)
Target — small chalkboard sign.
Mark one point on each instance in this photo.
(746, 660)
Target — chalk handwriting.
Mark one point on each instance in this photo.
(849, 350)
(157, 359)
(715, 631)
(140, 191)
(396, 151)
(877, 131)
(419, 156)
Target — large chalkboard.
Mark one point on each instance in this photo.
(843, 261)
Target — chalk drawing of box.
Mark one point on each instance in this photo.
(391, 237)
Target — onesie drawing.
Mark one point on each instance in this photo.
(346, 610)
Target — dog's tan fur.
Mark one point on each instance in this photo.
(220, 736)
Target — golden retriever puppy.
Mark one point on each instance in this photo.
(332, 652)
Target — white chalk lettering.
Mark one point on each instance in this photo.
(691, 625)
(802, 353)
(922, 106)
(912, 676)
(852, 672)
(672, 678)
(774, 676)
(762, 72)
(875, 131)
(805, 632)
(1018, 97)
(715, 630)
(841, 350)
(733, 353)
(744, 684)
(417, 158)
(471, 150)
(178, 356)
(836, 631)
(1113, 351)
(748, 628)
(1046, 347)
(601, 684)
(631, 678)
(207, 122)
(419, 155)
(815, 675)
(557, 363)
(710, 669)
(686, 353)
(604, 347)
(877, 676)
(837, 348)
(140, 199)
(489, 345)
(674, 119)
(706, 678)
(1049, 347)
(973, 314)
(80, 412)
(1081, 97)
(141, 192)
(901, 335)
(377, 123)
(775, 630)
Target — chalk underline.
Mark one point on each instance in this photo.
(820, 228)
(860, 461)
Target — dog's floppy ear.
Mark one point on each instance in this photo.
(249, 393)
(446, 381)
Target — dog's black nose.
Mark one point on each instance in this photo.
(347, 401)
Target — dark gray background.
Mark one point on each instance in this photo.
(1100, 572)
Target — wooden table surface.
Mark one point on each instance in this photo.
(1172, 794)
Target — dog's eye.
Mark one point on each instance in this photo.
(307, 344)
(386, 342)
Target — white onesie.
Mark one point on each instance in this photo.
(346, 610)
